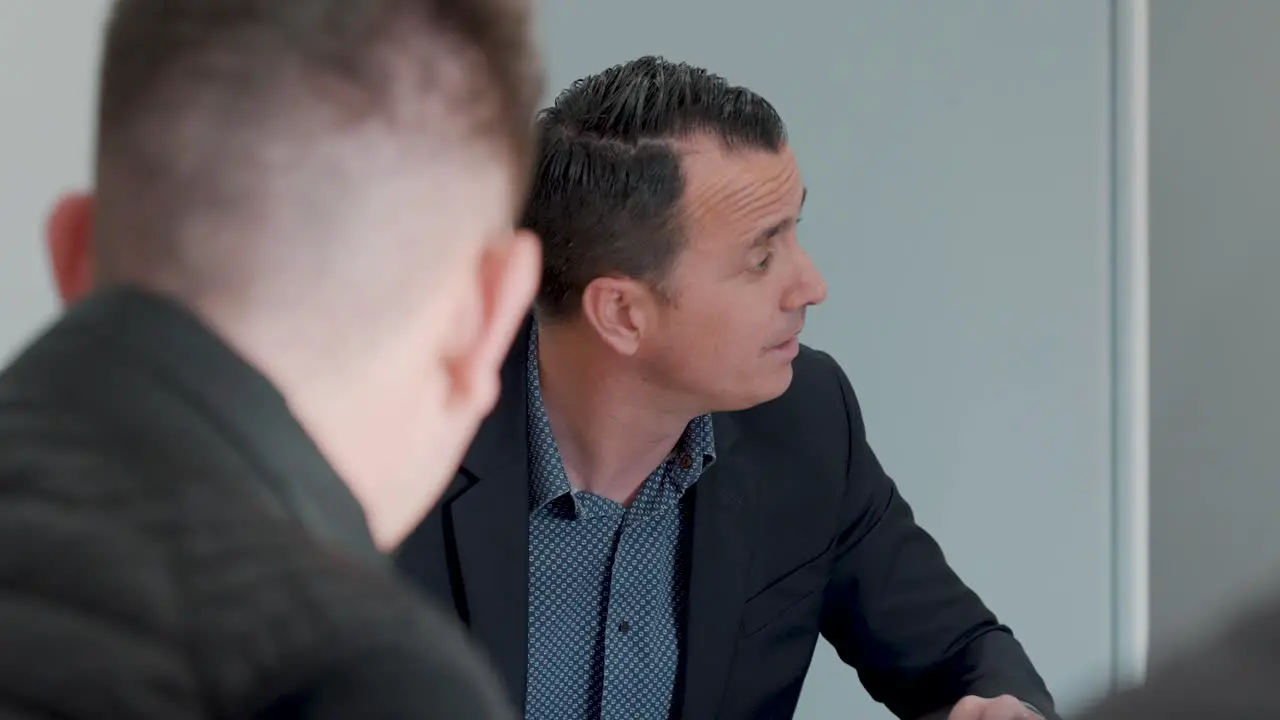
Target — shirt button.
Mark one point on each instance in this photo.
(686, 462)
(624, 626)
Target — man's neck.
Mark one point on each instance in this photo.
(612, 428)
(335, 406)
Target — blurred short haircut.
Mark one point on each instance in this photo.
(200, 98)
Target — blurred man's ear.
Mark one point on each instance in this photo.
(510, 271)
(69, 235)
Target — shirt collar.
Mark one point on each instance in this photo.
(693, 454)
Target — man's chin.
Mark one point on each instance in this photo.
(768, 387)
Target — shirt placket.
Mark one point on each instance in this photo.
(627, 632)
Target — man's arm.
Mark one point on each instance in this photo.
(919, 638)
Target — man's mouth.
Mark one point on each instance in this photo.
(789, 339)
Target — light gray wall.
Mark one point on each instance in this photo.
(1215, 345)
(48, 53)
(957, 158)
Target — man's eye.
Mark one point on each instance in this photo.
(763, 264)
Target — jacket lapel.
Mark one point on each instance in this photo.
(718, 571)
(490, 519)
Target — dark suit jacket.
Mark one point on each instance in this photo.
(797, 531)
(174, 547)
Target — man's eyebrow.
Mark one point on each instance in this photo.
(769, 233)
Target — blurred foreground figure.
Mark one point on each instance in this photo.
(1234, 675)
(304, 279)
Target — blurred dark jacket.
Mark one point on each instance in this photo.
(174, 545)
(1232, 675)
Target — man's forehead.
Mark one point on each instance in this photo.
(740, 185)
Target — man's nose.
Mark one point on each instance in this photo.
(810, 288)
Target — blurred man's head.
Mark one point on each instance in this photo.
(667, 201)
(333, 186)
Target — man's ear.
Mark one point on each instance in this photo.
(614, 307)
(509, 274)
(69, 240)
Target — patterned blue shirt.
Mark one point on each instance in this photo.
(607, 583)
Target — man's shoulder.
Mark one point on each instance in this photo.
(816, 375)
(810, 424)
(818, 397)
(154, 580)
(422, 664)
(85, 594)
(121, 586)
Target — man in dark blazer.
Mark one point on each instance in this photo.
(306, 282)
(673, 497)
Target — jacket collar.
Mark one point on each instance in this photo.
(226, 407)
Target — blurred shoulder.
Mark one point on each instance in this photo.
(392, 653)
(1228, 676)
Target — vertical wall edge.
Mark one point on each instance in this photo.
(1130, 339)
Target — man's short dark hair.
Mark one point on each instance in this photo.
(607, 175)
(191, 89)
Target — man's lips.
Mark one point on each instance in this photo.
(793, 336)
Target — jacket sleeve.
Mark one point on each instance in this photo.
(919, 638)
